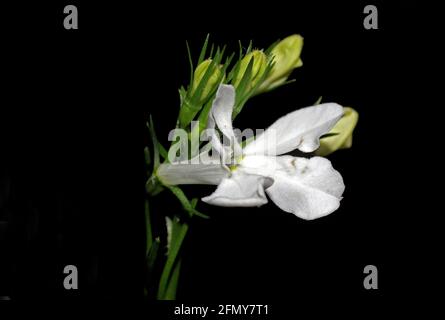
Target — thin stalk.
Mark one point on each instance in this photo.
(175, 247)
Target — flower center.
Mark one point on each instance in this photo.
(236, 163)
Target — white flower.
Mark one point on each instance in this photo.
(309, 188)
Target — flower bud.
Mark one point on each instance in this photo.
(286, 58)
(258, 68)
(341, 137)
(212, 82)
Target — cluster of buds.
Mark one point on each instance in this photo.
(255, 72)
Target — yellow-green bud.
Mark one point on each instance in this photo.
(212, 82)
(258, 68)
(343, 133)
(286, 57)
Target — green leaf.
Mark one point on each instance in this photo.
(246, 77)
(163, 152)
(240, 49)
(186, 205)
(279, 84)
(254, 90)
(211, 50)
(191, 105)
(241, 89)
(182, 95)
(206, 109)
(203, 116)
(189, 54)
(227, 63)
(318, 101)
(198, 93)
(194, 202)
(203, 50)
(233, 74)
(239, 105)
(249, 48)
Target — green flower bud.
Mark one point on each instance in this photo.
(258, 68)
(341, 137)
(202, 87)
(286, 58)
(212, 82)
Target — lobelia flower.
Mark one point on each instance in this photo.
(309, 188)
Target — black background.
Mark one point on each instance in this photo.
(73, 131)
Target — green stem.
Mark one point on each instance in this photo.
(170, 293)
(178, 235)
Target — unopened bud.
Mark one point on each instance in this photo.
(340, 136)
(259, 65)
(212, 81)
(286, 58)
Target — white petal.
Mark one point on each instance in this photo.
(221, 112)
(174, 174)
(214, 137)
(308, 188)
(222, 109)
(266, 166)
(300, 129)
(240, 190)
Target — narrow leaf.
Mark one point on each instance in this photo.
(189, 54)
(203, 50)
(185, 202)
(318, 101)
(241, 90)
(163, 152)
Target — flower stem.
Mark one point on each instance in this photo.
(169, 279)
